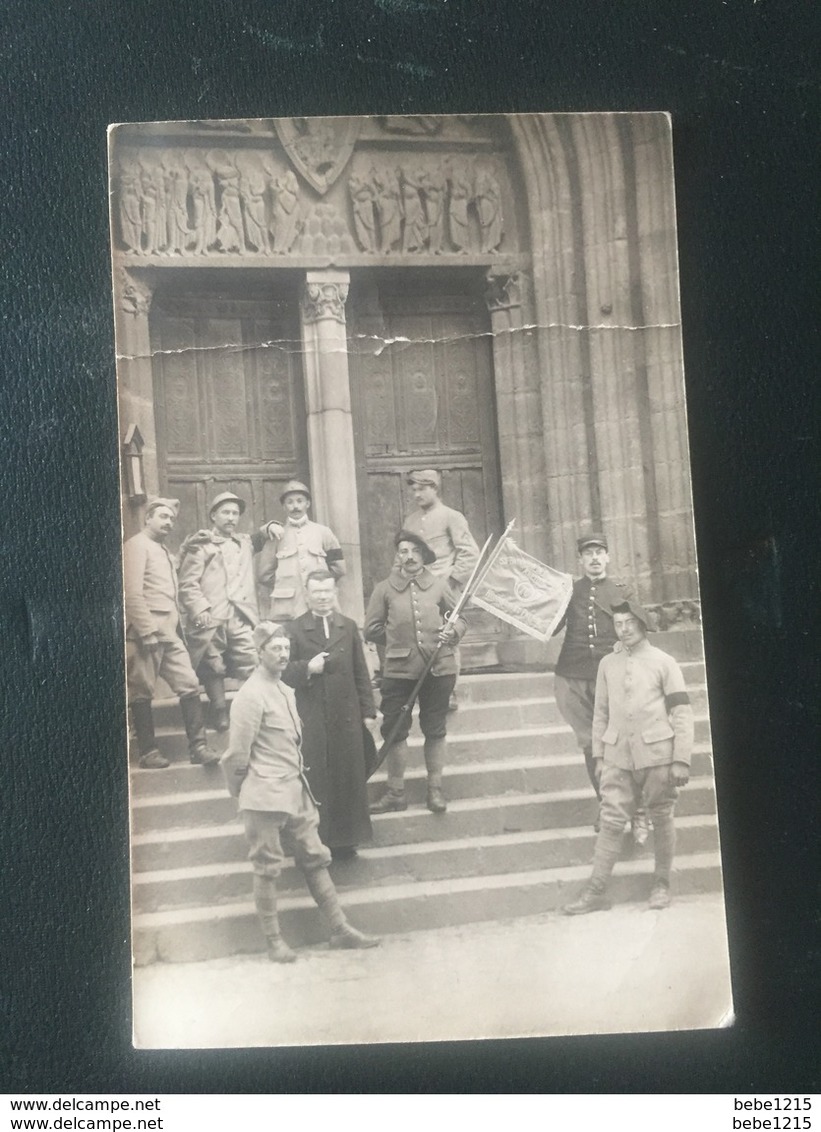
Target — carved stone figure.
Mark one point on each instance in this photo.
(285, 226)
(460, 194)
(204, 210)
(229, 222)
(488, 197)
(434, 187)
(388, 209)
(364, 218)
(153, 211)
(176, 192)
(131, 208)
(415, 236)
(252, 192)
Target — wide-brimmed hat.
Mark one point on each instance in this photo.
(226, 497)
(428, 555)
(294, 487)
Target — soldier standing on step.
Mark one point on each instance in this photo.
(154, 647)
(642, 744)
(264, 770)
(218, 596)
(405, 614)
(589, 636)
(446, 532)
(301, 546)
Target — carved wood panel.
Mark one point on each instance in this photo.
(422, 396)
(229, 404)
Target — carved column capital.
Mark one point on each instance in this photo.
(504, 289)
(135, 295)
(324, 298)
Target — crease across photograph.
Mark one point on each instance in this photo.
(419, 741)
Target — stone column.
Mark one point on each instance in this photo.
(518, 412)
(135, 382)
(330, 424)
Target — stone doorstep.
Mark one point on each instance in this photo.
(534, 774)
(561, 809)
(506, 852)
(462, 747)
(477, 687)
(192, 934)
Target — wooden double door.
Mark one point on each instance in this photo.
(231, 414)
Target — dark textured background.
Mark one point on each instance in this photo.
(737, 76)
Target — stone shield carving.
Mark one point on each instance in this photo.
(319, 148)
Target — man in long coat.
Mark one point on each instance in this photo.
(334, 697)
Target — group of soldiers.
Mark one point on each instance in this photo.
(301, 746)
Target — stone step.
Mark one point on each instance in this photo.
(476, 856)
(471, 817)
(207, 932)
(474, 689)
(462, 747)
(212, 804)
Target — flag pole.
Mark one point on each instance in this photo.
(407, 707)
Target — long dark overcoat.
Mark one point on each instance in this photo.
(332, 706)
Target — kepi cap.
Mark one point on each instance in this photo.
(594, 538)
(425, 477)
(428, 555)
(160, 501)
(266, 631)
(226, 497)
(294, 487)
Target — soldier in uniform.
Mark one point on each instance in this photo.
(446, 532)
(407, 614)
(154, 647)
(264, 770)
(218, 596)
(589, 636)
(301, 547)
(642, 743)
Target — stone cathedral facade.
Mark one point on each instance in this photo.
(345, 299)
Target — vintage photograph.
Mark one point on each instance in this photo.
(419, 737)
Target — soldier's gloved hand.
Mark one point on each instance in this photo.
(680, 774)
(598, 766)
(448, 634)
(203, 620)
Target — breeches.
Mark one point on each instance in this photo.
(575, 699)
(224, 649)
(170, 660)
(272, 835)
(625, 791)
(434, 696)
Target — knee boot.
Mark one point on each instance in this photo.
(664, 842)
(606, 853)
(194, 720)
(151, 757)
(265, 899)
(321, 887)
(435, 763)
(394, 797)
(215, 690)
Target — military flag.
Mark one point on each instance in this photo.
(522, 590)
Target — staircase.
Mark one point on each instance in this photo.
(517, 838)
